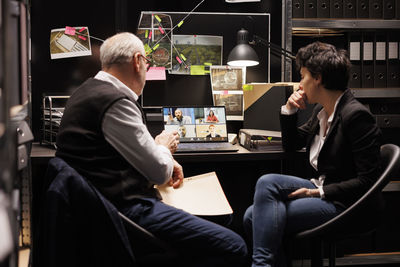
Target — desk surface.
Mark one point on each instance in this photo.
(44, 151)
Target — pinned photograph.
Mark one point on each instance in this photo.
(194, 54)
(233, 104)
(227, 89)
(227, 78)
(70, 42)
(155, 31)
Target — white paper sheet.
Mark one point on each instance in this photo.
(198, 195)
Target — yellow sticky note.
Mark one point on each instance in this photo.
(147, 49)
(158, 18)
(207, 64)
(156, 46)
(180, 23)
(247, 87)
(197, 70)
(183, 57)
(146, 34)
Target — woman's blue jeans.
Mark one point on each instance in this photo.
(274, 215)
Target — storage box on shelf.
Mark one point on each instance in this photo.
(52, 111)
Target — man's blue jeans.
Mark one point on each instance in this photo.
(198, 241)
(274, 215)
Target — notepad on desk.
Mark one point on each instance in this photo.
(198, 195)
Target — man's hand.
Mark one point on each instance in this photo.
(177, 175)
(297, 100)
(304, 192)
(168, 139)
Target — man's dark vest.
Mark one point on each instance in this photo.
(81, 143)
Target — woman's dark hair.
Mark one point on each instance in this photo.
(209, 113)
(323, 59)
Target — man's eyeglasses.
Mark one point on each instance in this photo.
(149, 62)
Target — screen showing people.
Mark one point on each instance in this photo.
(196, 124)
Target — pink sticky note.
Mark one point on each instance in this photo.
(156, 74)
(81, 37)
(150, 34)
(179, 60)
(225, 92)
(161, 30)
(82, 29)
(69, 30)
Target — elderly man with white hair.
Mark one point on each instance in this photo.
(103, 136)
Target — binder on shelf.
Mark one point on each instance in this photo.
(310, 8)
(298, 9)
(375, 9)
(389, 11)
(349, 9)
(336, 9)
(397, 10)
(393, 75)
(380, 72)
(362, 9)
(355, 58)
(367, 67)
(323, 9)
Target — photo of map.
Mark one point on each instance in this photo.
(199, 51)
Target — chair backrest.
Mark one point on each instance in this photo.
(83, 228)
(390, 156)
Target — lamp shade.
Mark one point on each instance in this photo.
(243, 55)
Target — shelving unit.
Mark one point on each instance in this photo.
(52, 111)
(349, 25)
(354, 24)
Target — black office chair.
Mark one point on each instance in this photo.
(347, 224)
(82, 228)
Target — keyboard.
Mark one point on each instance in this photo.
(206, 147)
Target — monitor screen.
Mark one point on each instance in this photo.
(197, 124)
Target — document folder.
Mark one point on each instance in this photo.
(323, 9)
(389, 9)
(393, 77)
(349, 9)
(380, 61)
(310, 8)
(397, 10)
(375, 9)
(337, 8)
(355, 58)
(367, 68)
(298, 9)
(362, 9)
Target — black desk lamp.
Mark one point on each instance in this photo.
(243, 54)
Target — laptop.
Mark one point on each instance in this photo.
(201, 129)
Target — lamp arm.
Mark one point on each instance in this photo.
(280, 50)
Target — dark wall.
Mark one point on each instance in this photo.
(104, 18)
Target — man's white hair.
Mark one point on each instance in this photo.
(120, 48)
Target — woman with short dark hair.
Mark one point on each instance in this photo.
(342, 144)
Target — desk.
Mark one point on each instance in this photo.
(237, 172)
(47, 152)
